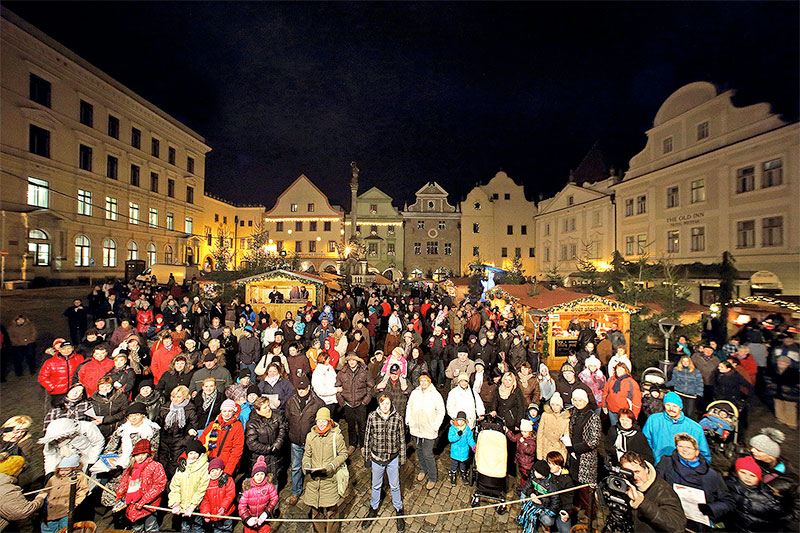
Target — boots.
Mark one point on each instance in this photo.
(452, 475)
(401, 523)
(465, 477)
(365, 524)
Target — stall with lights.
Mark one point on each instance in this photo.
(759, 308)
(289, 284)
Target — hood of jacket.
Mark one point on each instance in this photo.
(60, 428)
(172, 364)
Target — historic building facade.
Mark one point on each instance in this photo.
(228, 227)
(380, 228)
(577, 224)
(497, 225)
(712, 178)
(432, 234)
(304, 223)
(93, 174)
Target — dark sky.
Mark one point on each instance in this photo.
(413, 92)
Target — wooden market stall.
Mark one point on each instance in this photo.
(759, 308)
(290, 284)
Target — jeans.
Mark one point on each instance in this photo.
(297, 469)
(222, 526)
(193, 524)
(613, 418)
(54, 525)
(149, 523)
(393, 473)
(252, 369)
(427, 462)
(24, 354)
(456, 465)
(437, 371)
(550, 520)
(356, 418)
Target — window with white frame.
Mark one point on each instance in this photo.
(698, 191)
(168, 254)
(442, 224)
(746, 234)
(188, 225)
(109, 253)
(38, 192)
(698, 239)
(772, 173)
(390, 230)
(546, 254)
(39, 247)
(372, 248)
(112, 209)
(298, 247)
(673, 242)
(702, 131)
(153, 217)
(476, 227)
(745, 179)
(390, 248)
(133, 213)
(573, 251)
(83, 251)
(373, 229)
(170, 221)
(448, 248)
(432, 248)
(641, 204)
(417, 248)
(151, 254)
(420, 224)
(331, 246)
(294, 208)
(312, 246)
(476, 251)
(563, 255)
(629, 207)
(772, 231)
(133, 250)
(673, 197)
(84, 202)
(641, 243)
(667, 145)
(629, 242)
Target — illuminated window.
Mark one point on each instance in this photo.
(109, 253)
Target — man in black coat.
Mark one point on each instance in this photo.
(655, 505)
(76, 321)
(301, 411)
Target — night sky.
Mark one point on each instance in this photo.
(416, 92)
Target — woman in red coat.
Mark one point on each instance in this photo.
(144, 318)
(142, 484)
(219, 496)
(224, 437)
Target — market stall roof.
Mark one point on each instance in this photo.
(291, 274)
(329, 276)
(764, 302)
(382, 280)
(548, 298)
(458, 281)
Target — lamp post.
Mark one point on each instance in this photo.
(667, 327)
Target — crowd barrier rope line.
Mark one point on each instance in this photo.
(356, 519)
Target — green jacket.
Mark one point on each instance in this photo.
(323, 491)
(188, 486)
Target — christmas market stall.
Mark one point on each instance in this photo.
(759, 308)
(283, 290)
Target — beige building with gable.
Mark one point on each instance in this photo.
(578, 222)
(432, 234)
(497, 224)
(379, 226)
(712, 178)
(303, 222)
(93, 174)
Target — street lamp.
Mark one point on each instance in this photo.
(667, 327)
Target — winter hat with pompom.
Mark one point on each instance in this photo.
(768, 441)
(260, 466)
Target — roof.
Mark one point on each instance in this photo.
(303, 177)
(303, 276)
(550, 298)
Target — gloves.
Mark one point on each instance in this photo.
(138, 505)
(704, 508)
(221, 511)
(460, 432)
(252, 522)
(367, 461)
(176, 509)
(262, 518)
(189, 511)
(206, 520)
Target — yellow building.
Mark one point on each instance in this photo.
(575, 224)
(226, 226)
(712, 178)
(92, 173)
(497, 224)
(304, 223)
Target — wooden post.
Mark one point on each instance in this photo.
(72, 490)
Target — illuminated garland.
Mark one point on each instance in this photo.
(763, 299)
(613, 304)
(274, 273)
(497, 293)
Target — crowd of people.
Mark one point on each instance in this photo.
(209, 408)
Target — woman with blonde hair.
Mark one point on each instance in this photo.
(688, 383)
(179, 424)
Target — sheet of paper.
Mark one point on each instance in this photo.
(690, 499)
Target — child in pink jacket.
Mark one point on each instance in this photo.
(258, 502)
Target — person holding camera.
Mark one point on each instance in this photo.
(654, 505)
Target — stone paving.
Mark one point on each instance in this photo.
(23, 395)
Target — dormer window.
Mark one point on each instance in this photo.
(570, 200)
(667, 145)
(476, 206)
(702, 131)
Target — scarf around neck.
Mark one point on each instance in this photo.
(208, 400)
(618, 382)
(621, 442)
(272, 381)
(504, 391)
(177, 414)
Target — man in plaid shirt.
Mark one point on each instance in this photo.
(385, 449)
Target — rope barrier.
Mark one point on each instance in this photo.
(355, 519)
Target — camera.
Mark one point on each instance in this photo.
(613, 493)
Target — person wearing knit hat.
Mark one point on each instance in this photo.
(544, 510)
(136, 408)
(189, 484)
(748, 464)
(661, 428)
(766, 446)
(462, 441)
(216, 463)
(525, 440)
(142, 446)
(224, 437)
(195, 446)
(12, 465)
(58, 487)
(141, 484)
(219, 498)
(258, 502)
(324, 451)
(579, 394)
(542, 468)
(757, 507)
(13, 505)
(150, 398)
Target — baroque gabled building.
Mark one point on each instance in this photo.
(380, 228)
(712, 178)
(432, 234)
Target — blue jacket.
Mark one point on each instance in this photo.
(460, 445)
(701, 477)
(244, 416)
(660, 431)
(685, 382)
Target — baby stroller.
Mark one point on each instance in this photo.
(653, 391)
(720, 424)
(491, 461)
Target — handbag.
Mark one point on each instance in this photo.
(342, 474)
(261, 367)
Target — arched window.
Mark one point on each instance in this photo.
(83, 251)
(151, 254)
(38, 247)
(133, 250)
(168, 254)
(109, 253)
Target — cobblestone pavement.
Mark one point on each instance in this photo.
(23, 395)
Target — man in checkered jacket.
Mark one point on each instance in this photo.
(385, 449)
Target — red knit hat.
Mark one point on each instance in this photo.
(260, 466)
(141, 446)
(749, 464)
